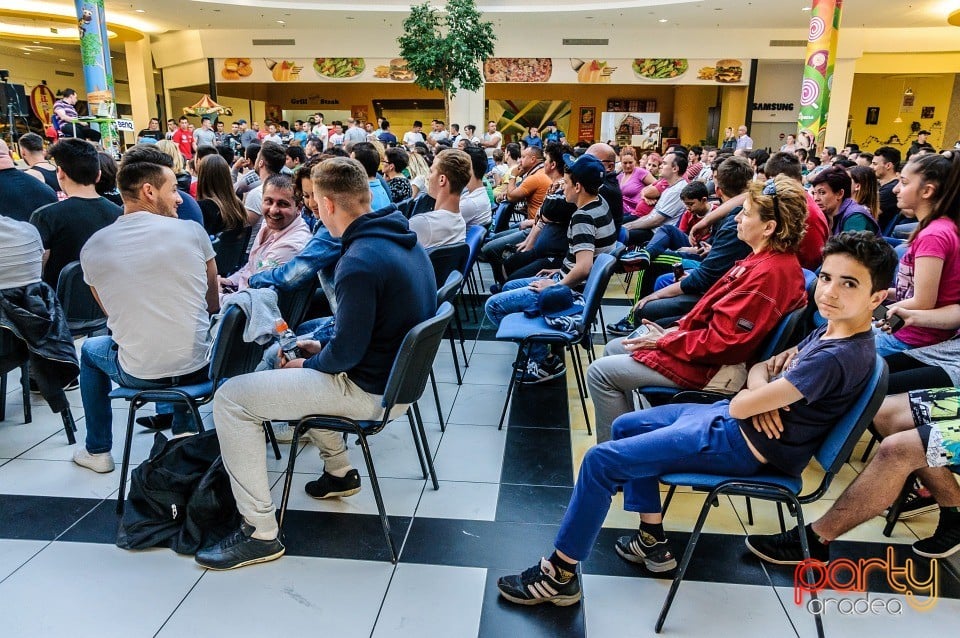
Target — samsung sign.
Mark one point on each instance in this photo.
(773, 106)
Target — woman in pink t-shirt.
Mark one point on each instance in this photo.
(632, 179)
(929, 272)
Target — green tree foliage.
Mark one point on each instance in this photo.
(445, 49)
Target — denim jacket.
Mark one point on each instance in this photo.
(319, 256)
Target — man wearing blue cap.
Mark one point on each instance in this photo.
(591, 231)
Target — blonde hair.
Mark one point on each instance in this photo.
(345, 181)
(786, 204)
(418, 166)
(173, 151)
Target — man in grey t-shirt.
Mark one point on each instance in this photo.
(156, 279)
(205, 135)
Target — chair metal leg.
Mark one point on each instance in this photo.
(3, 397)
(750, 512)
(416, 443)
(783, 525)
(575, 350)
(25, 389)
(603, 324)
(463, 347)
(666, 501)
(520, 363)
(125, 465)
(271, 438)
(893, 513)
(805, 546)
(453, 351)
(69, 426)
(436, 398)
(685, 562)
(375, 485)
(426, 447)
(288, 477)
(581, 388)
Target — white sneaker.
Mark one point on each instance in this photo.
(101, 463)
(282, 431)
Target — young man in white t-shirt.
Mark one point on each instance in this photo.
(492, 140)
(444, 224)
(475, 205)
(414, 135)
(155, 277)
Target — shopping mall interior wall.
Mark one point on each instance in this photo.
(30, 72)
(691, 106)
(931, 96)
(241, 107)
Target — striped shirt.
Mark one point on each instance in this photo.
(591, 228)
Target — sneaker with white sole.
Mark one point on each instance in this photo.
(102, 463)
(551, 368)
(538, 585)
(643, 549)
(945, 541)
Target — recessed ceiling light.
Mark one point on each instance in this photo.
(26, 53)
(139, 11)
(280, 22)
(805, 9)
(662, 20)
(63, 59)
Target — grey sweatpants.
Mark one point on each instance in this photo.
(243, 403)
(612, 380)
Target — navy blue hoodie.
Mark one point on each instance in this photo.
(384, 285)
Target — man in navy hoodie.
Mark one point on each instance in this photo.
(384, 286)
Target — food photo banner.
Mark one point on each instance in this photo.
(514, 70)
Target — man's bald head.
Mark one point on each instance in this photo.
(606, 154)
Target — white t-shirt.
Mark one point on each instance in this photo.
(150, 273)
(253, 202)
(475, 207)
(410, 138)
(492, 137)
(670, 205)
(438, 228)
(21, 253)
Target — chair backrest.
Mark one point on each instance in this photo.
(450, 288)
(294, 304)
(446, 259)
(618, 249)
(230, 246)
(475, 236)
(411, 368)
(839, 444)
(501, 218)
(595, 287)
(232, 356)
(79, 305)
(782, 334)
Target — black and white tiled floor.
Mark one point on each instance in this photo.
(501, 498)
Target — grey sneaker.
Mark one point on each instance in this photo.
(643, 549)
(102, 463)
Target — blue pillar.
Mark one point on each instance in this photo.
(95, 58)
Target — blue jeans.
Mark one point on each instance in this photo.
(98, 367)
(888, 344)
(516, 297)
(646, 445)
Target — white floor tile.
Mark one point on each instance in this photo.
(489, 369)
(292, 596)
(400, 497)
(454, 499)
(699, 609)
(56, 478)
(17, 437)
(56, 449)
(14, 553)
(432, 600)
(480, 404)
(86, 589)
(471, 453)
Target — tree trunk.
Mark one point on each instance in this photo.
(446, 104)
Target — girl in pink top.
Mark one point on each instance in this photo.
(929, 273)
(632, 179)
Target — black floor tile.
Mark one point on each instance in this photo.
(543, 405)
(335, 535)
(40, 517)
(537, 456)
(99, 526)
(512, 546)
(532, 503)
(501, 618)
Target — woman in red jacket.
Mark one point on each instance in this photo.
(728, 324)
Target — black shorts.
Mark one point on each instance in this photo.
(936, 413)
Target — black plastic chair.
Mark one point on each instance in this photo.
(295, 303)
(230, 246)
(445, 260)
(232, 356)
(527, 331)
(405, 386)
(84, 315)
(501, 218)
(833, 452)
(446, 294)
(13, 354)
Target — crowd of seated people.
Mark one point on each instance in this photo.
(360, 210)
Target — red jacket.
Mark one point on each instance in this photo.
(730, 322)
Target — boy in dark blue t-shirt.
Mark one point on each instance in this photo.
(789, 405)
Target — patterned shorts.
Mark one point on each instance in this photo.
(937, 415)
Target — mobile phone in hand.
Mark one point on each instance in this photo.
(880, 313)
(639, 332)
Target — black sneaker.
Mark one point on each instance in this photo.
(622, 328)
(643, 549)
(539, 585)
(239, 549)
(915, 505)
(551, 368)
(944, 542)
(73, 385)
(330, 486)
(784, 548)
(157, 422)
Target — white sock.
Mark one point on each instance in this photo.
(339, 472)
(263, 536)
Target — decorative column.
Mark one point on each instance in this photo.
(818, 72)
(95, 58)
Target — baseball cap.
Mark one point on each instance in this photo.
(587, 169)
(241, 121)
(554, 301)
